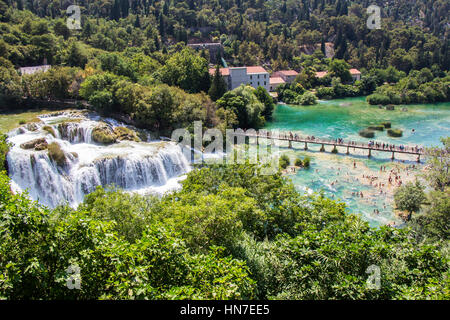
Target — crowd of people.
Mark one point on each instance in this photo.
(341, 141)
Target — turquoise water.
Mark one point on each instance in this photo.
(335, 175)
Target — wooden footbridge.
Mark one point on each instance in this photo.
(377, 146)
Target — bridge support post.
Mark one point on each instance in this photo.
(418, 158)
(370, 153)
(306, 145)
(392, 158)
(257, 140)
(348, 150)
(322, 149)
(290, 144)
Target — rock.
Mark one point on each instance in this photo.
(31, 126)
(36, 144)
(395, 133)
(124, 133)
(103, 134)
(390, 107)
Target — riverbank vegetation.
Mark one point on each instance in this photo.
(417, 87)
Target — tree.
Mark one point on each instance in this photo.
(340, 68)
(218, 85)
(244, 103)
(186, 70)
(75, 56)
(264, 97)
(61, 29)
(410, 197)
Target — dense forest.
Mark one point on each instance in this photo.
(230, 232)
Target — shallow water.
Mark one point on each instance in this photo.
(344, 118)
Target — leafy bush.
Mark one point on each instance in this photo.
(308, 98)
(306, 162)
(367, 133)
(387, 125)
(298, 162)
(284, 161)
(395, 133)
(325, 92)
(377, 98)
(4, 149)
(376, 127)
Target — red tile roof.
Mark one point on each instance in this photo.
(321, 74)
(256, 70)
(223, 71)
(288, 72)
(276, 80)
(354, 71)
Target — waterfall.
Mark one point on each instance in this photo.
(132, 166)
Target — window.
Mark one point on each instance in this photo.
(265, 83)
(251, 77)
(258, 83)
(258, 76)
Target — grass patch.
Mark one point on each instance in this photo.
(56, 153)
(50, 130)
(124, 133)
(386, 124)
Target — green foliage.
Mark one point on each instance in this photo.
(298, 162)
(395, 132)
(340, 69)
(4, 149)
(306, 162)
(418, 87)
(308, 98)
(378, 99)
(386, 125)
(37, 247)
(433, 222)
(245, 105)
(264, 97)
(409, 197)
(284, 161)
(56, 154)
(376, 127)
(218, 85)
(186, 70)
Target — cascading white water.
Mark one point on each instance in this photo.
(134, 166)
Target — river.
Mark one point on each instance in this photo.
(335, 174)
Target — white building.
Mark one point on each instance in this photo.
(253, 76)
(32, 70)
